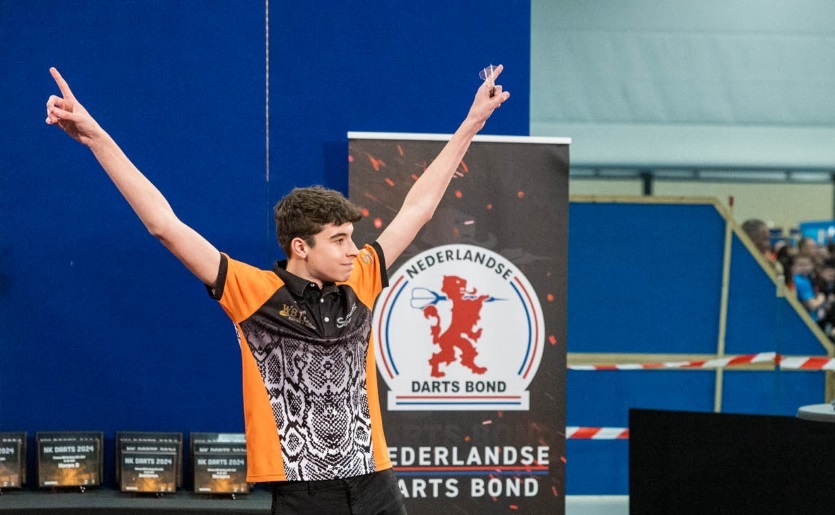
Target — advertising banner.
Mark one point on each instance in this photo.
(470, 333)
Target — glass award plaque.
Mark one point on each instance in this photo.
(149, 462)
(69, 459)
(219, 462)
(12, 459)
(488, 75)
(137, 467)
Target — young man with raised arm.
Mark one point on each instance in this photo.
(311, 408)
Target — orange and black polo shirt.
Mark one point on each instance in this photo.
(311, 404)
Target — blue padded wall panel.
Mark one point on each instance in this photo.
(771, 393)
(754, 311)
(644, 278)
(597, 467)
(758, 320)
(603, 399)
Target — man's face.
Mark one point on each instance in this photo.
(331, 258)
(762, 239)
(808, 247)
(803, 265)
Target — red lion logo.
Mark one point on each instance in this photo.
(461, 333)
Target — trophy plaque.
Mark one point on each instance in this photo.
(69, 459)
(149, 462)
(219, 461)
(12, 459)
(138, 476)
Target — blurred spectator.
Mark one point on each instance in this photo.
(826, 286)
(804, 284)
(809, 247)
(758, 232)
(785, 256)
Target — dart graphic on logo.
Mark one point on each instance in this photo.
(460, 328)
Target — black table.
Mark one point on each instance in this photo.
(101, 501)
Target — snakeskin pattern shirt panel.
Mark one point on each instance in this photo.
(314, 373)
(310, 346)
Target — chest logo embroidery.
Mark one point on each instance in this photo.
(297, 315)
(343, 321)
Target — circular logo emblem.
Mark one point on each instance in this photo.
(459, 328)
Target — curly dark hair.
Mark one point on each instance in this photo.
(303, 213)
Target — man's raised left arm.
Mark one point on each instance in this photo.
(425, 195)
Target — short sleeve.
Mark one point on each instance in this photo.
(242, 289)
(369, 276)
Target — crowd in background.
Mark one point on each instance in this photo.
(807, 268)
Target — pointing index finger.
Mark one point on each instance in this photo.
(62, 84)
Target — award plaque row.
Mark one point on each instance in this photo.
(146, 462)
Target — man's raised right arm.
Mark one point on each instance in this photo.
(196, 253)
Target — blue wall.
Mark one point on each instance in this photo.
(101, 328)
(385, 67)
(647, 278)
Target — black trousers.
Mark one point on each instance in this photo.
(371, 494)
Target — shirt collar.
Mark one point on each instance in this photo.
(298, 285)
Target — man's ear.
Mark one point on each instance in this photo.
(299, 248)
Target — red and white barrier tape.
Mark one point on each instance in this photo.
(622, 433)
(596, 433)
(807, 363)
(762, 357)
